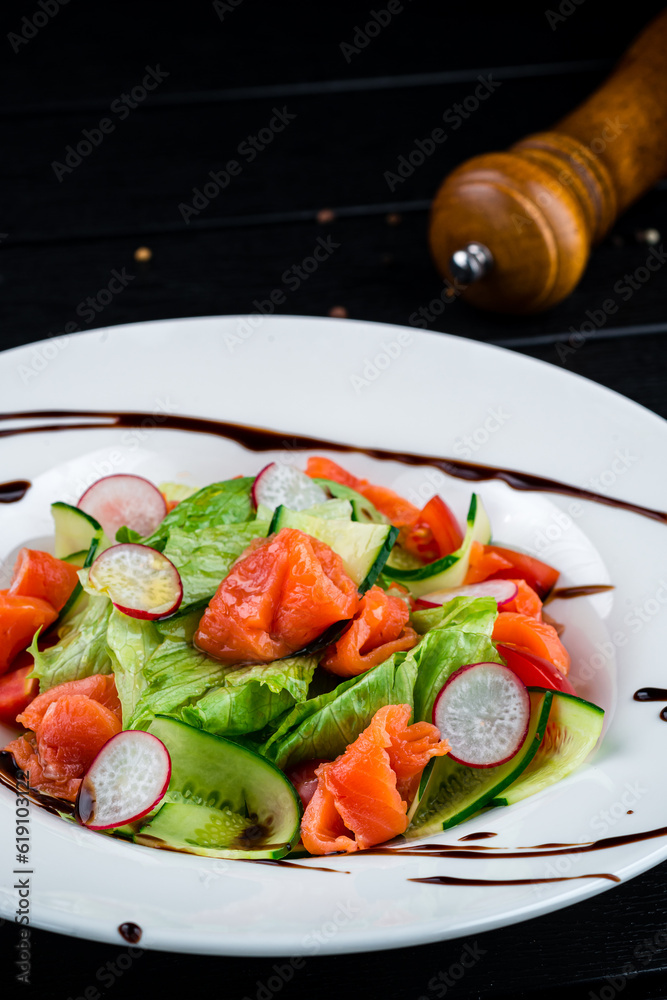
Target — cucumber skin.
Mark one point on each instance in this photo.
(81, 519)
(184, 742)
(560, 698)
(433, 576)
(485, 798)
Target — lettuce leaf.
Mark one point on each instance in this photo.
(220, 697)
(228, 502)
(326, 725)
(131, 643)
(459, 633)
(252, 696)
(82, 647)
(205, 558)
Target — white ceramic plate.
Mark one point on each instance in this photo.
(385, 386)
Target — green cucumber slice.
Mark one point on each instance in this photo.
(573, 729)
(450, 792)
(223, 800)
(449, 571)
(76, 599)
(364, 548)
(74, 529)
(77, 558)
(337, 508)
(362, 509)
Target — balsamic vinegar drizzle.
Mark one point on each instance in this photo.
(566, 593)
(131, 932)
(15, 490)
(261, 439)
(451, 880)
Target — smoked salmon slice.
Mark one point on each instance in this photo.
(400, 512)
(380, 628)
(71, 723)
(534, 635)
(358, 800)
(276, 600)
(39, 574)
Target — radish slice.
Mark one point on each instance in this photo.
(284, 485)
(124, 500)
(483, 712)
(126, 780)
(503, 591)
(141, 582)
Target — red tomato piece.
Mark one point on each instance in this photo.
(534, 670)
(540, 576)
(17, 690)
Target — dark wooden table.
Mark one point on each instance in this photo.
(163, 99)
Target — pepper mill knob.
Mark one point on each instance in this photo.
(517, 227)
(471, 263)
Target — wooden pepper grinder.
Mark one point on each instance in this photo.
(516, 228)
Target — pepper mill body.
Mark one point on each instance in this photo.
(538, 208)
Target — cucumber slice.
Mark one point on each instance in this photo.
(450, 792)
(450, 571)
(77, 558)
(78, 596)
(573, 729)
(362, 509)
(175, 492)
(74, 530)
(364, 548)
(223, 801)
(330, 509)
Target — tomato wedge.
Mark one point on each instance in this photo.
(17, 690)
(534, 670)
(434, 534)
(541, 577)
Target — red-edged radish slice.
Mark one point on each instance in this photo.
(503, 591)
(284, 485)
(483, 712)
(139, 581)
(126, 780)
(124, 500)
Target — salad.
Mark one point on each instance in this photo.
(291, 662)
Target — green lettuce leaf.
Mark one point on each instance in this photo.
(459, 633)
(204, 559)
(82, 647)
(252, 696)
(222, 698)
(228, 502)
(324, 726)
(131, 643)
